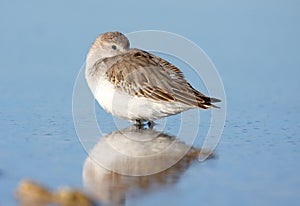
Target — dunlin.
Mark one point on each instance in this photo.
(136, 85)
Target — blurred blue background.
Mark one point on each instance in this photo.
(254, 45)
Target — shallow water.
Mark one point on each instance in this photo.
(254, 46)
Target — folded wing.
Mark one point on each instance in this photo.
(143, 74)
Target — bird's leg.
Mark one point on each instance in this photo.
(141, 124)
(138, 123)
(150, 124)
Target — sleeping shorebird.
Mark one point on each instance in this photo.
(135, 85)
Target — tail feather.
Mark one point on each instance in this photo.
(207, 105)
(214, 100)
(191, 96)
(208, 102)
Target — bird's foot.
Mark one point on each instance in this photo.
(138, 123)
(143, 124)
(150, 124)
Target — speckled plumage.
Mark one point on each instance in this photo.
(148, 86)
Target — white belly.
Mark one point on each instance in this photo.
(132, 108)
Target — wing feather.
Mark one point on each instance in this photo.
(143, 74)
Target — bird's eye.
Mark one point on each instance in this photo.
(114, 47)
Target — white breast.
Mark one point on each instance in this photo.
(132, 108)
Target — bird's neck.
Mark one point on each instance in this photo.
(91, 70)
(93, 57)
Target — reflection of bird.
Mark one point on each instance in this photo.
(146, 157)
(136, 85)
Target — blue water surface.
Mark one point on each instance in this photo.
(254, 45)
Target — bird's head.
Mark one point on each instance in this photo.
(109, 44)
